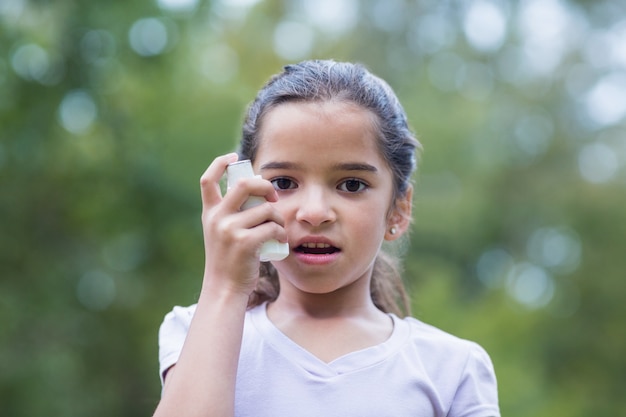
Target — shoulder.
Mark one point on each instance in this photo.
(461, 365)
(179, 316)
(172, 334)
(174, 328)
(430, 338)
(177, 321)
(447, 357)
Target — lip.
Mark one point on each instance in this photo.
(315, 258)
(314, 239)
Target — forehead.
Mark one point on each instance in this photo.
(318, 133)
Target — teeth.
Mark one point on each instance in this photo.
(316, 245)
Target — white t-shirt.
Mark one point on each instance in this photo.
(420, 371)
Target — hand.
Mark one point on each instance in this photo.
(233, 238)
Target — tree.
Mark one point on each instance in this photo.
(109, 115)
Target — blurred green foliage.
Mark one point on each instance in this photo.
(110, 112)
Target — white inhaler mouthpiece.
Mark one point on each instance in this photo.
(272, 250)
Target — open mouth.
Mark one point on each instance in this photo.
(316, 249)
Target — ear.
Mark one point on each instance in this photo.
(400, 216)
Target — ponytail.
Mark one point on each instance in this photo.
(387, 288)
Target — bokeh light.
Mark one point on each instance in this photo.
(556, 248)
(493, 266)
(485, 25)
(606, 100)
(34, 63)
(233, 10)
(387, 15)
(293, 40)
(530, 285)
(598, 163)
(331, 17)
(548, 30)
(149, 36)
(178, 6)
(77, 112)
(96, 290)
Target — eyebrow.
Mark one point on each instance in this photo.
(345, 166)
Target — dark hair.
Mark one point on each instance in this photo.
(327, 80)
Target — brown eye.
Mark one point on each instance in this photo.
(352, 186)
(283, 184)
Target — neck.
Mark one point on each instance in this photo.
(341, 303)
(329, 325)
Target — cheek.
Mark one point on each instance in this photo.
(372, 224)
(287, 208)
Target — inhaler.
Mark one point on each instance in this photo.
(272, 250)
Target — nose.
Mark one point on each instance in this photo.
(315, 207)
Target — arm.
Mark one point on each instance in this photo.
(203, 380)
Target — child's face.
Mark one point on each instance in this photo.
(335, 192)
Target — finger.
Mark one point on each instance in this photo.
(260, 214)
(250, 188)
(250, 223)
(268, 231)
(253, 238)
(210, 180)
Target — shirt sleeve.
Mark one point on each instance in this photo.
(477, 392)
(172, 334)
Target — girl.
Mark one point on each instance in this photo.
(320, 332)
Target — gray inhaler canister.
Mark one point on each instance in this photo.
(272, 250)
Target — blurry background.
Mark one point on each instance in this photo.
(111, 110)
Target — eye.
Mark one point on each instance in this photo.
(283, 183)
(352, 185)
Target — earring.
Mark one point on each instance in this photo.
(393, 230)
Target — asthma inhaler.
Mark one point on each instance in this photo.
(272, 250)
